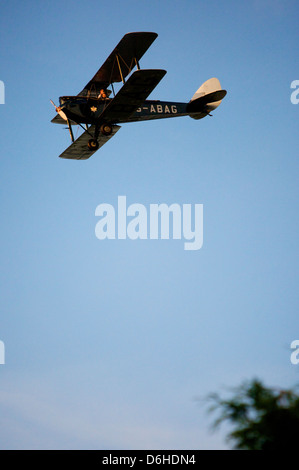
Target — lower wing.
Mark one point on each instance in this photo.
(79, 149)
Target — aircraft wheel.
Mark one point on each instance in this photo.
(93, 144)
(106, 129)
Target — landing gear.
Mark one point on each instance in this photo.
(93, 144)
(106, 129)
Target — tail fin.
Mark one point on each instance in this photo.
(207, 98)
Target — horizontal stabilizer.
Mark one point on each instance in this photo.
(200, 104)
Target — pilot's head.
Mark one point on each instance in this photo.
(103, 94)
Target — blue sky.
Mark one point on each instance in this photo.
(108, 343)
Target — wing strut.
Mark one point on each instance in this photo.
(120, 71)
(71, 130)
(118, 57)
(137, 63)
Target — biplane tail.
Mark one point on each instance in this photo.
(207, 98)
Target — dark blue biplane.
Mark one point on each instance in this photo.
(101, 110)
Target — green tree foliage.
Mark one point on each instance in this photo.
(262, 418)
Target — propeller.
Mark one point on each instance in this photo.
(59, 111)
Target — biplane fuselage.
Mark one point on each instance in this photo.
(88, 111)
(101, 115)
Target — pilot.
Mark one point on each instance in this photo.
(104, 94)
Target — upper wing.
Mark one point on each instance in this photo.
(121, 61)
(79, 150)
(136, 89)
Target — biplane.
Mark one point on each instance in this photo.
(100, 111)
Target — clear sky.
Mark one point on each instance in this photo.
(109, 342)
